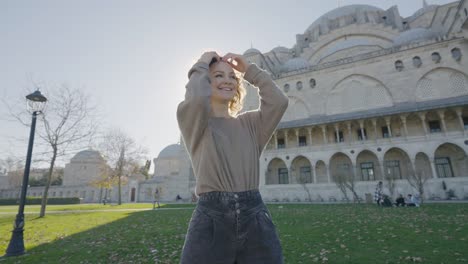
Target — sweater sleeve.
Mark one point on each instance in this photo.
(273, 104)
(193, 112)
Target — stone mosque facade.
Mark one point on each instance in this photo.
(373, 96)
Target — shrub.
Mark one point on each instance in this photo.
(36, 200)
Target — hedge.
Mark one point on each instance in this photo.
(37, 200)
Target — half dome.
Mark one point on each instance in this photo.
(414, 35)
(340, 12)
(295, 64)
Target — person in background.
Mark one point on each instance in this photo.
(378, 193)
(400, 201)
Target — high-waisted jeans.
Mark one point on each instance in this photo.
(231, 227)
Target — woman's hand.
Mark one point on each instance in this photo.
(208, 56)
(238, 62)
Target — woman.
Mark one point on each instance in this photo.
(230, 224)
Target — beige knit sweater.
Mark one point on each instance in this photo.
(225, 152)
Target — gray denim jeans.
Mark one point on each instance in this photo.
(231, 227)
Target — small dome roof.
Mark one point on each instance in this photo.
(252, 51)
(414, 35)
(280, 49)
(340, 12)
(295, 64)
(87, 156)
(171, 151)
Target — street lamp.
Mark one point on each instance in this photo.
(36, 103)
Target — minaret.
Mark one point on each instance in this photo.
(425, 4)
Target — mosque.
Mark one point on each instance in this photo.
(373, 96)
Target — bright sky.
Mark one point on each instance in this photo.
(132, 57)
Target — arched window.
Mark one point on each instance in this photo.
(312, 83)
(456, 54)
(299, 85)
(286, 88)
(399, 65)
(436, 57)
(417, 62)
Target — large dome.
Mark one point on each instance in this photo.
(280, 49)
(87, 156)
(171, 151)
(340, 12)
(414, 35)
(252, 51)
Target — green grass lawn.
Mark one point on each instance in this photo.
(434, 233)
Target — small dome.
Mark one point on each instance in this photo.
(251, 52)
(171, 151)
(295, 64)
(414, 35)
(87, 156)
(280, 49)
(340, 12)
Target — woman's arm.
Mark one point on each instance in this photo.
(273, 102)
(194, 111)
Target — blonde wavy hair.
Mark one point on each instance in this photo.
(236, 104)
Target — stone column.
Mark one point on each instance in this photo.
(275, 138)
(413, 165)
(328, 173)
(433, 168)
(441, 114)
(382, 169)
(309, 132)
(405, 128)
(296, 131)
(350, 132)
(361, 125)
(337, 133)
(422, 116)
(285, 138)
(314, 174)
(460, 119)
(324, 132)
(374, 124)
(387, 121)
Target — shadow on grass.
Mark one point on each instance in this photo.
(154, 236)
(309, 234)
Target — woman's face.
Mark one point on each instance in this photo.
(223, 82)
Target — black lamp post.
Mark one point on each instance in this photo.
(36, 102)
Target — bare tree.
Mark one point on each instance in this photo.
(339, 178)
(14, 170)
(123, 155)
(417, 180)
(391, 184)
(345, 180)
(303, 180)
(68, 124)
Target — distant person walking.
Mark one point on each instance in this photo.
(156, 198)
(378, 193)
(230, 224)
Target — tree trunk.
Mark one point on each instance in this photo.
(49, 180)
(120, 190)
(307, 191)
